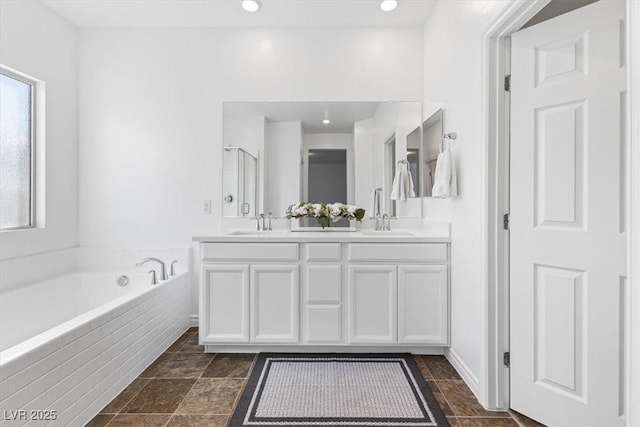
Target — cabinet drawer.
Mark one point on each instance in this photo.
(213, 252)
(398, 252)
(323, 283)
(323, 252)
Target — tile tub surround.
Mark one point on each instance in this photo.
(79, 371)
(212, 396)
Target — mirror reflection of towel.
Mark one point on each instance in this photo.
(402, 188)
(445, 183)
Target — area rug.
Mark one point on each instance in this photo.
(336, 390)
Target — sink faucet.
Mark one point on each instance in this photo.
(270, 217)
(260, 222)
(379, 222)
(386, 222)
(163, 271)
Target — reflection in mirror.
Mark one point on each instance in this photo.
(327, 180)
(240, 182)
(413, 158)
(432, 132)
(295, 142)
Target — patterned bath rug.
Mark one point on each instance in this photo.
(347, 390)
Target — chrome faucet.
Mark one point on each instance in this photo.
(260, 222)
(163, 271)
(154, 278)
(386, 222)
(377, 201)
(172, 271)
(379, 222)
(269, 217)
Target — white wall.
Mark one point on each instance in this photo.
(282, 166)
(151, 112)
(453, 77)
(38, 42)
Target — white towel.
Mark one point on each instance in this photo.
(402, 188)
(445, 183)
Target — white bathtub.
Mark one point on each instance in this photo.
(70, 344)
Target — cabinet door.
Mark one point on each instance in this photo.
(423, 304)
(224, 303)
(372, 304)
(274, 303)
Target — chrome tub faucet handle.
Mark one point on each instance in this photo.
(172, 270)
(163, 270)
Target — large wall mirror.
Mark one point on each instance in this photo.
(279, 153)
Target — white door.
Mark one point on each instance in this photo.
(372, 304)
(224, 303)
(274, 303)
(422, 304)
(567, 218)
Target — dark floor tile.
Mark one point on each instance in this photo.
(463, 402)
(193, 329)
(453, 422)
(442, 402)
(141, 420)
(422, 366)
(525, 421)
(211, 396)
(179, 342)
(159, 396)
(440, 368)
(100, 420)
(191, 344)
(152, 370)
(184, 365)
(125, 396)
(198, 421)
(487, 422)
(230, 366)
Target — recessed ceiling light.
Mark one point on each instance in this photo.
(251, 5)
(326, 121)
(388, 5)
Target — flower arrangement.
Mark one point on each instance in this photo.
(325, 213)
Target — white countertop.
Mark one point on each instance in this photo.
(365, 235)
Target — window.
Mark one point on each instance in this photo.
(16, 151)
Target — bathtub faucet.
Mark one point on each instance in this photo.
(163, 271)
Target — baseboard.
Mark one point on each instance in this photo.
(194, 320)
(465, 373)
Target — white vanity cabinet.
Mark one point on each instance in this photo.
(324, 294)
(249, 293)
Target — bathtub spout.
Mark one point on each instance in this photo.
(163, 270)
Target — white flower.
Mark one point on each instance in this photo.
(351, 209)
(335, 210)
(317, 209)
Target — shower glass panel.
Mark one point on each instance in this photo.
(240, 183)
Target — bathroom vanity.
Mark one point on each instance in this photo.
(324, 291)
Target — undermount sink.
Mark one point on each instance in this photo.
(257, 233)
(387, 233)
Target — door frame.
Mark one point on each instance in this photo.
(495, 174)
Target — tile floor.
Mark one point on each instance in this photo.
(190, 388)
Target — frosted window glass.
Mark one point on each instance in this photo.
(15, 153)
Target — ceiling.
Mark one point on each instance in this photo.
(229, 14)
(341, 114)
